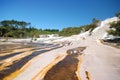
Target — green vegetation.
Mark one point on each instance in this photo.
(115, 29)
(70, 31)
(76, 30)
(21, 29)
(115, 26)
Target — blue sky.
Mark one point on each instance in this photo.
(58, 14)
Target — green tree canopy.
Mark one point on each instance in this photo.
(21, 29)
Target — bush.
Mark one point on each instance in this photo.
(116, 27)
(112, 32)
(35, 39)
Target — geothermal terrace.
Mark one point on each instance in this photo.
(68, 58)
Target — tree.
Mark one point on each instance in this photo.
(11, 27)
(4, 30)
(70, 31)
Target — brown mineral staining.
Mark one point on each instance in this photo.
(64, 70)
(42, 73)
(67, 68)
(88, 77)
(13, 63)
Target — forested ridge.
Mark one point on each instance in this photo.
(22, 29)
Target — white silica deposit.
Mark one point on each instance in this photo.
(101, 31)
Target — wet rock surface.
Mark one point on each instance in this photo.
(66, 69)
(19, 63)
(77, 51)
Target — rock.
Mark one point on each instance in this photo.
(76, 51)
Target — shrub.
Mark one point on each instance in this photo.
(116, 27)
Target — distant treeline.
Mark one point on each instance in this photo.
(76, 30)
(22, 29)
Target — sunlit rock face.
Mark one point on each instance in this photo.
(101, 31)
